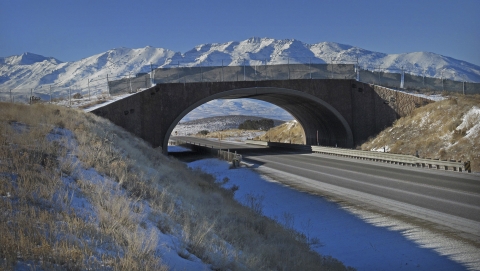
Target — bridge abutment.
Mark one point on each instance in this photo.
(333, 112)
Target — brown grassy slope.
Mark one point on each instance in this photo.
(232, 134)
(289, 132)
(39, 226)
(436, 131)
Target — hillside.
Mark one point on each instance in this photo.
(289, 132)
(213, 124)
(447, 129)
(79, 193)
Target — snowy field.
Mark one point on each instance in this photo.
(358, 238)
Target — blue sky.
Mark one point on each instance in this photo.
(70, 30)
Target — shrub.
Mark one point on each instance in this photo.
(203, 132)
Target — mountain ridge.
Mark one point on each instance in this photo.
(31, 71)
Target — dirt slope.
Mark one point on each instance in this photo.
(289, 132)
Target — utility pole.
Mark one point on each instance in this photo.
(50, 93)
(11, 96)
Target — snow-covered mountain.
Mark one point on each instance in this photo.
(32, 71)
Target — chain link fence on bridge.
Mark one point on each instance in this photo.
(102, 88)
(64, 96)
(55, 94)
(129, 85)
(253, 73)
(417, 83)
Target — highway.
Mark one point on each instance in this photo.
(448, 198)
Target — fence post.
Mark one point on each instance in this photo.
(88, 83)
(424, 70)
(288, 67)
(331, 65)
(178, 72)
(379, 73)
(265, 69)
(108, 86)
(11, 96)
(244, 78)
(310, 66)
(402, 78)
(357, 71)
(130, 82)
(50, 93)
(443, 88)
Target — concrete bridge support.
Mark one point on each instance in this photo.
(333, 112)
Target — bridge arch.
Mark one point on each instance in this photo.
(321, 122)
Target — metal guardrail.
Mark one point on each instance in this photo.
(256, 142)
(391, 158)
(226, 155)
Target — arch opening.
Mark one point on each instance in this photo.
(322, 124)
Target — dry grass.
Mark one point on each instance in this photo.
(42, 181)
(435, 132)
(289, 132)
(232, 133)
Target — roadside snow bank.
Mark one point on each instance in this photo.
(359, 239)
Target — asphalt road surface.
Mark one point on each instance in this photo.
(448, 198)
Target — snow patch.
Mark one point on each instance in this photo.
(471, 122)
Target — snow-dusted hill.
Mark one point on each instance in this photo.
(32, 71)
(216, 123)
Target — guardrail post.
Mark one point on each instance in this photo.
(467, 167)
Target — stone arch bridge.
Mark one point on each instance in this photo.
(332, 112)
